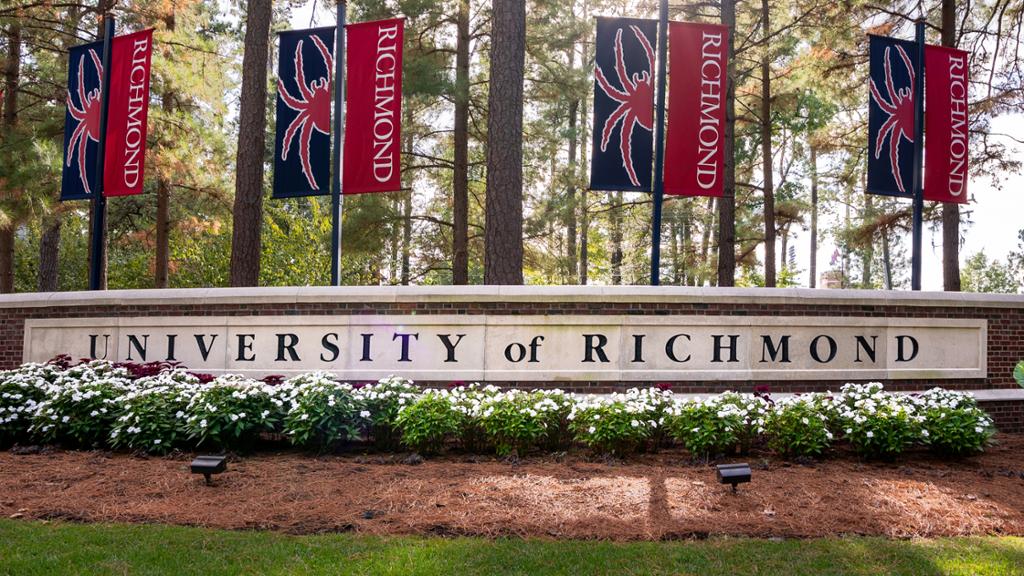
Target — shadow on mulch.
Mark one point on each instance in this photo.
(663, 496)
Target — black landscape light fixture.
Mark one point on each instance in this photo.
(733, 474)
(209, 465)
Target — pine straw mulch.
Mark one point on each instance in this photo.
(648, 497)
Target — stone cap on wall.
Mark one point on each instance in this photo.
(520, 294)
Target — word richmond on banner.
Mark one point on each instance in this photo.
(945, 154)
(372, 159)
(127, 112)
(696, 124)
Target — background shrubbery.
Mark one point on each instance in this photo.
(157, 408)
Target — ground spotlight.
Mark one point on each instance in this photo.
(209, 465)
(733, 474)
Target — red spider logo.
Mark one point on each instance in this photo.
(635, 101)
(314, 108)
(900, 109)
(88, 117)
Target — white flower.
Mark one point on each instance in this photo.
(979, 429)
(304, 417)
(234, 418)
(592, 430)
(94, 413)
(870, 434)
(65, 419)
(202, 423)
(157, 441)
(925, 433)
(364, 414)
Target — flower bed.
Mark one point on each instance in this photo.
(157, 408)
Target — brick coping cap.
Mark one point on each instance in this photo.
(509, 294)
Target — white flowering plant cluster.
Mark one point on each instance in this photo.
(952, 423)
(879, 424)
(321, 412)
(20, 393)
(80, 406)
(98, 404)
(231, 411)
(798, 427)
(381, 401)
(153, 413)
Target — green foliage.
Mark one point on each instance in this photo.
(706, 427)
(876, 423)
(512, 422)
(429, 422)
(322, 412)
(383, 400)
(152, 415)
(231, 411)
(612, 425)
(20, 392)
(979, 274)
(79, 408)
(953, 423)
(1018, 373)
(797, 428)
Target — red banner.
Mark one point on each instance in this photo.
(695, 152)
(945, 124)
(125, 160)
(373, 111)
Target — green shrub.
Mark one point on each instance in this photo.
(611, 425)
(953, 423)
(706, 427)
(752, 410)
(429, 422)
(381, 402)
(797, 427)
(153, 414)
(231, 411)
(20, 392)
(876, 423)
(322, 412)
(80, 406)
(511, 422)
(554, 407)
(468, 401)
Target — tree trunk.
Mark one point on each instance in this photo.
(674, 252)
(248, 209)
(584, 207)
(570, 193)
(886, 260)
(503, 238)
(869, 250)
(950, 210)
(163, 229)
(814, 216)
(615, 215)
(12, 73)
(163, 195)
(705, 241)
(406, 237)
(766, 151)
(48, 279)
(727, 203)
(460, 185)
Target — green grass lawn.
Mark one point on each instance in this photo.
(36, 548)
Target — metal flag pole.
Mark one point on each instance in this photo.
(659, 146)
(99, 202)
(339, 138)
(915, 276)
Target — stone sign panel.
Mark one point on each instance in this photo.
(501, 348)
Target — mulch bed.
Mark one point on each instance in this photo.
(647, 497)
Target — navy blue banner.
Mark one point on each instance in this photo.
(623, 146)
(891, 117)
(302, 141)
(82, 122)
